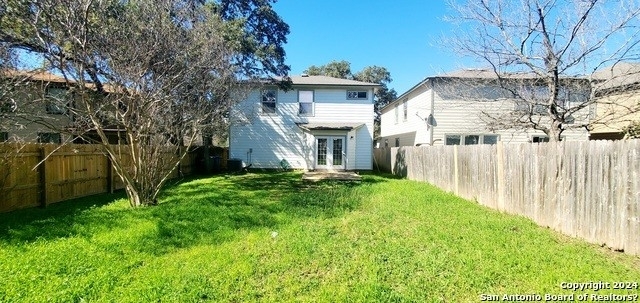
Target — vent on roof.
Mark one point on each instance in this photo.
(305, 75)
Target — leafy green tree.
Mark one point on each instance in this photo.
(373, 74)
(336, 69)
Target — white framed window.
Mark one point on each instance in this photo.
(269, 101)
(535, 99)
(397, 113)
(534, 108)
(490, 139)
(452, 140)
(543, 138)
(539, 139)
(57, 99)
(357, 95)
(471, 139)
(305, 101)
(405, 110)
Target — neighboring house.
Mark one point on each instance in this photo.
(31, 111)
(618, 101)
(39, 108)
(464, 108)
(321, 123)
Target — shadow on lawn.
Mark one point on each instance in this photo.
(196, 212)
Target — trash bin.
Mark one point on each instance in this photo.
(216, 163)
(234, 165)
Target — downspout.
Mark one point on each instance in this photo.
(431, 112)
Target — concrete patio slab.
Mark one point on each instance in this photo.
(315, 176)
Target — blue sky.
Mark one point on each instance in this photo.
(402, 36)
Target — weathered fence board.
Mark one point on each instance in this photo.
(39, 174)
(585, 189)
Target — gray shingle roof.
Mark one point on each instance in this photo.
(476, 73)
(619, 74)
(324, 80)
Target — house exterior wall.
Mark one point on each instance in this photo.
(454, 116)
(31, 101)
(412, 130)
(615, 112)
(264, 140)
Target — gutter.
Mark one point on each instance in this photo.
(431, 111)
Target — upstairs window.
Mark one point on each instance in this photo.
(305, 101)
(269, 97)
(357, 95)
(397, 113)
(57, 99)
(405, 110)
(7, 106)
(535, 99)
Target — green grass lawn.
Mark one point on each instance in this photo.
(269, 237)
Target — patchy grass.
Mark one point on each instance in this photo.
(269, 237)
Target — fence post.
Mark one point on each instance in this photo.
(456, 175)
(109, 175)
(42, 170)
(500, 175)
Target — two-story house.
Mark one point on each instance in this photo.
(320, 123)
(470, 107)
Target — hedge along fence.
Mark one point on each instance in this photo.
(65, 172)
(587, 189)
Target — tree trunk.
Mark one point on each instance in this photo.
(555, 131)
(138, 197)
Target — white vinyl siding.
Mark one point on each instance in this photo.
(412, 131)
(452, 117)
(265, 140)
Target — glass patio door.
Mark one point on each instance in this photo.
(330, 153)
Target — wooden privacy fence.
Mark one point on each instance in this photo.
(67, 172)
(587, 189)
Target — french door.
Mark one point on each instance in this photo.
(330, 152)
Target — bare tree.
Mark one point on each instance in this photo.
(543, 52)
(149, 75)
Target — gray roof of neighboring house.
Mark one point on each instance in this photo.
(325, 80)
(46, 76)
(619, 74)
(472, 73)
